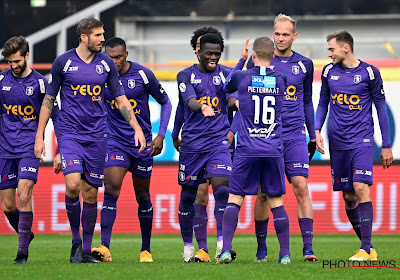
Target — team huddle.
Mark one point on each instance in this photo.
(103, 130)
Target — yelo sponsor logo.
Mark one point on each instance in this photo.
(114, 105)
(290, 93)
(18, 110)
(212, 102)
(88, 89)
(352, 100)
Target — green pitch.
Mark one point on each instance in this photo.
(49, 259)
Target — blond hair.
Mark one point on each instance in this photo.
(283, 17)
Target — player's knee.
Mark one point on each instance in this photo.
(142, 197)
(73, 187)
(262, 198)
(221, 194)
(111, 189)
(24, 198)
(187, 199)
(349, 199)
(8, 207)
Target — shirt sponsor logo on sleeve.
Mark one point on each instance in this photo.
(182, 87)
(50, 78)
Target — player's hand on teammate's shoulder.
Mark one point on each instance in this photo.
(320, 142)
(57, 163)
(156, 146)
(177, 144)
(386, 157)
(207, 111)
(312, 146)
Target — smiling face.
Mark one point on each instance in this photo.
(119, 55)
(18, 63)
(209, 57)
(337, 51)
(284, 36)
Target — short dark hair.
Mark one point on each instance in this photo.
(86, 25)
(264, 48)
(202, 31)
(342, 37)
(210, 38)
(115, 41)
(15, 44)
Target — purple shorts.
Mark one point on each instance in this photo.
(194, 168)
(13, 170)
(250, 172)
(296, 158)
(85, 157)
(140, 164)
(350, 166)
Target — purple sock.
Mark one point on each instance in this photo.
(186, 215)
(24, 231)
(221, 195)
(231, 217)
(261, 227)
(306, 227)
(73, 207)
(108, 215)
(366, 215)
(281, 224)
(13, 219)
(200, 226)
(145, 214)
(89, 216)
(352, 214)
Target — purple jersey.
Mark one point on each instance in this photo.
(349, 93)
(201, 134)
(83, 111)
(260, 93)
(20, 100)
(139, 82)
(297, 107)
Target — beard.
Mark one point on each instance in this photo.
(93, 48)
(20, 69)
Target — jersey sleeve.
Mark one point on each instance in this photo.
(235, 122)
(323, 104)
(307, 100)
(185, 87)
(56, 76)
(378, 97)
(250, 63)
(179, 119)
(156, 90)
(232, 84)
(113, 81)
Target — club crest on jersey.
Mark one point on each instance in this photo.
(99, 69)
(131, 83)
(357, 79)
(217, 80)
(29, 91)
(295, 69)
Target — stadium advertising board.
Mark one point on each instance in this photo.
(329, 214)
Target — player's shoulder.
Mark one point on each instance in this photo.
(187, 71)
(36, 75)
(302, 58)
(142, 70)
(4, 74)
(63, 58)
(328, 67)
(224, 69)
(372, 70)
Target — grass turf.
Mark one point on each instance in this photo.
(49, 259)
